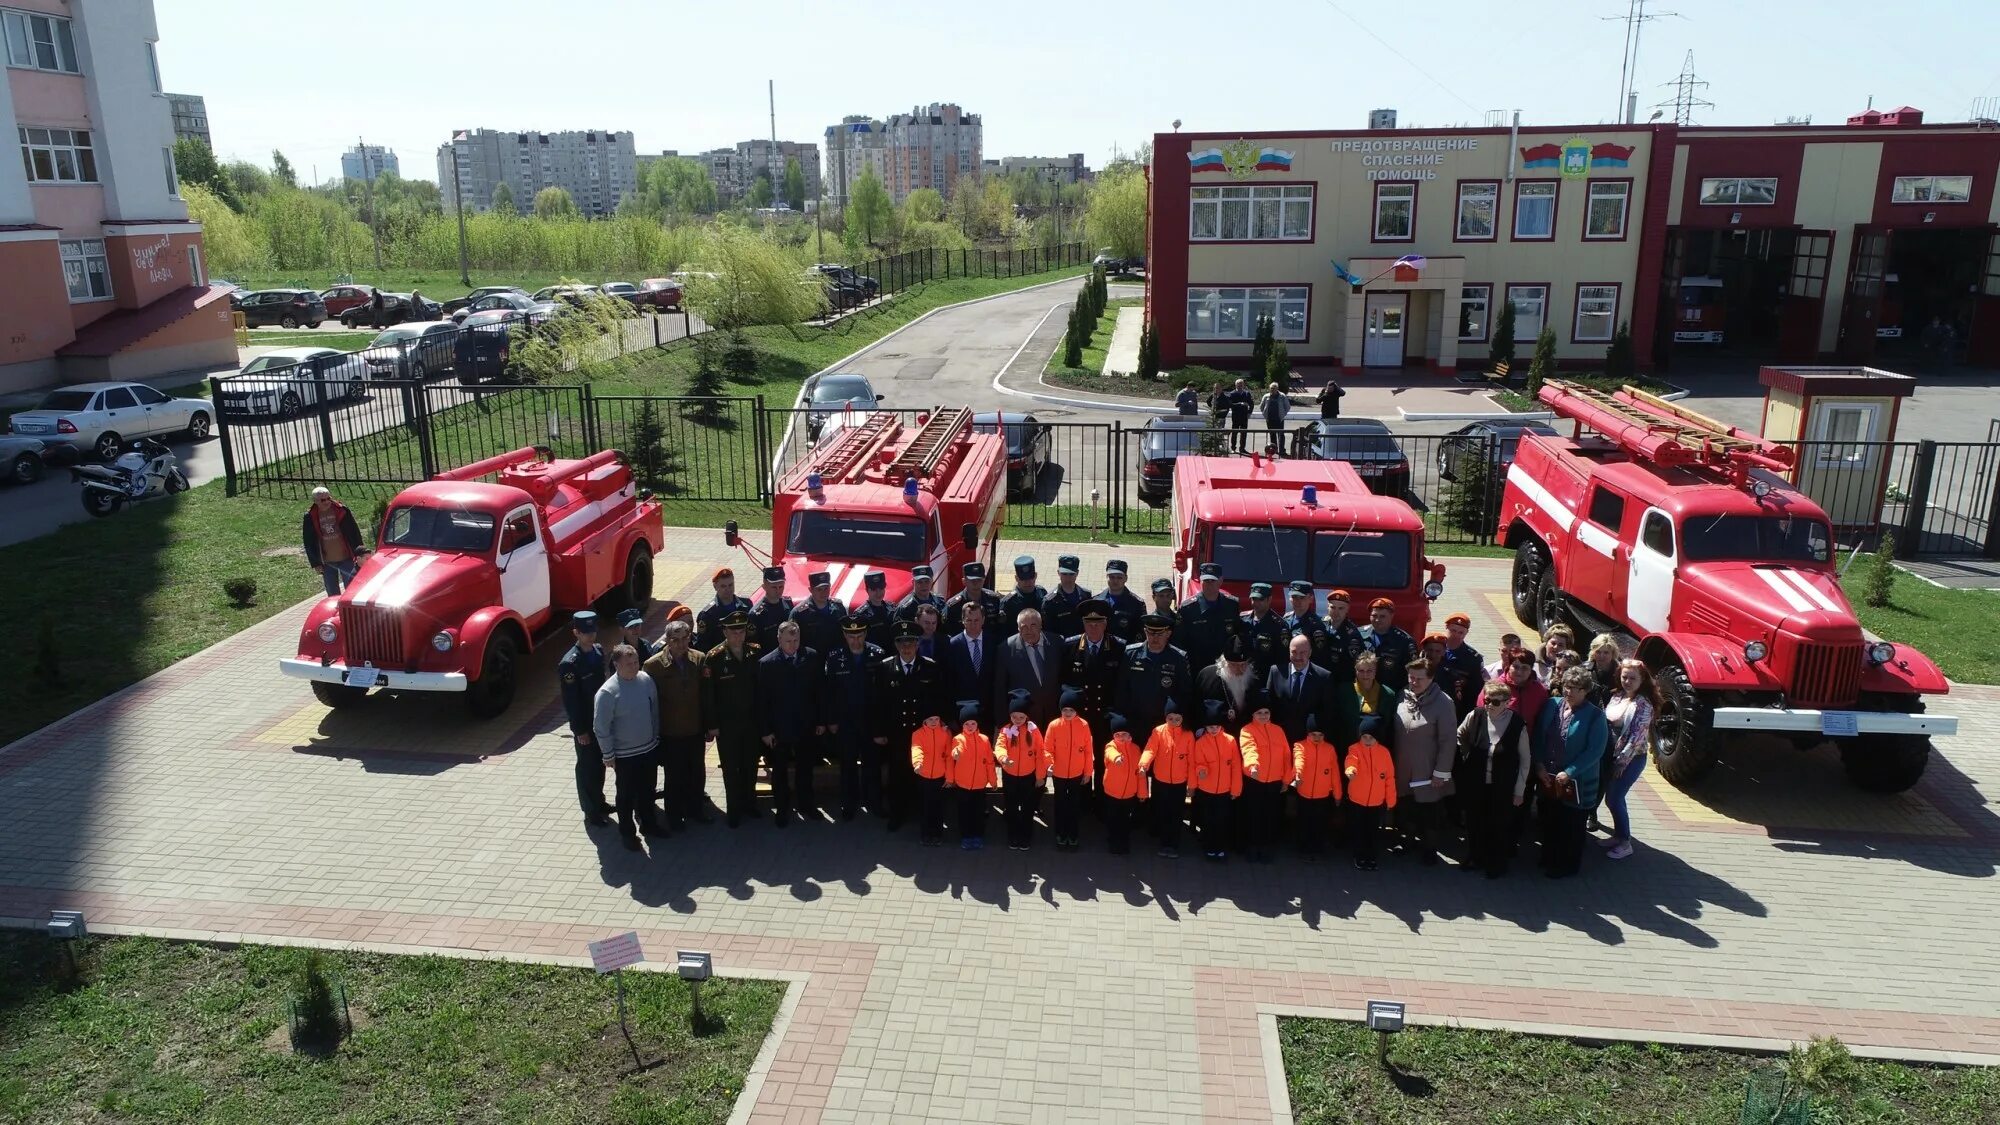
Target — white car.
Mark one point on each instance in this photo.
(99, 418)
(284, 381)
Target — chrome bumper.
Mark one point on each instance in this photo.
(384, 677)
(1834, 724)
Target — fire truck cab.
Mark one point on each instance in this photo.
(1701, 316)
(1682, 531)
(1280, 521)
(887, 495)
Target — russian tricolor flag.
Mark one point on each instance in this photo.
(1207, 160)
(1274, 160)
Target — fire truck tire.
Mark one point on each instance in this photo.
(1552, 606)
(1685, 742)
(1885, 763)
(1530, 560)
(337, 696)
(493, 692)
(636, 592)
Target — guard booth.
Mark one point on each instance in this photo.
(1843, 422)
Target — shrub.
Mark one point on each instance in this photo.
(1279, 368)
(1502, 350)
(1619, 358)
(1260, 347)
(1073, 337)
(315, 1022)
(652, 462)
(1204, 378)
(242, 590)
(48, 659)
(1543, 366)
(1149, 353)
(1880, 588)
(739, 361)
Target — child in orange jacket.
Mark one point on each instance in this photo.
(1124, 783)
(1217, 769)
(1371, 787)
(971, 773)
(930, 759)
(1316, 779)
(1267, 772)
(1071, 761)
(1165, 761)
(1023, 758)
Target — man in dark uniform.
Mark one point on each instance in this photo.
(1059, 608)
(729, 699)
(632, 629)
(788, 722)
(1027, 594)
(1393, 647)
(1463, 666)
(1154, 673)
(1302, 621)
(1163, 602)
(921, 594)
(876, 614)
(581, 672)
(1344, 642)
(819, 616)
(909, 689)
(1265, 631)
(974, 575)
(773, 609)
(1091, 662)
(1206, 620)
(1125, 607)
(847, 678)
(708, 623)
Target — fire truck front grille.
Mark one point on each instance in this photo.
(374, 636)
(1826, 675)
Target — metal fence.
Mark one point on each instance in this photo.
(897, 272)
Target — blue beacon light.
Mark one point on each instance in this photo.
(1310, 496)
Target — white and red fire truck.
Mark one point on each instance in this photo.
(467, 572)
(1658, 521)
(887, 495)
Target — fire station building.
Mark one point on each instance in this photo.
(1394, 248)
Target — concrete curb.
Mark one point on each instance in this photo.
(1058, 400)
(1472, 415)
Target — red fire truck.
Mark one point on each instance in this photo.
(1279, 521)
(886, 495)
(466, 572)
(1684, 532)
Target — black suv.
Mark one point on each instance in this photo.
(286, 308)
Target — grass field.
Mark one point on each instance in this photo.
(1100, 343)
(1449, 1076)
(1959, 629)
(169, 1032)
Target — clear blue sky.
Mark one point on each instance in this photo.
(1048, 77)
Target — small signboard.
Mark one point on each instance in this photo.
(1840, 724)
(614, 953)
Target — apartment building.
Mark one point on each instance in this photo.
(365, 162)
(105, 274)
(1054, 170)
(598, 169)
(931, 147)
(190, 113)
(763, 157)
(856, 144)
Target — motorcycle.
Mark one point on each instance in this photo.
(150, 470)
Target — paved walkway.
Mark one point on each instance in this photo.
(217, 799)
(1121, 356)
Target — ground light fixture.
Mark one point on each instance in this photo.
(695, 967)
(1385, 1017)
(67, 928)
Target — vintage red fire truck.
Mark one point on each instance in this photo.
(887, 495)
(1684, 532)
(1278, 521)
(467, 572)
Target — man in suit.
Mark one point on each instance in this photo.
(1296, 689)
(972, 658)
(787, 711)
(1031, 662)
(909, 689)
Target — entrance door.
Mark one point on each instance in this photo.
(1805, 297)
(1649, 584)
(1383, 346)
(1862, 312)
(1982, 344)
(524, 567)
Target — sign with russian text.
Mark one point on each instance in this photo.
(614, 953)
(1404, 158)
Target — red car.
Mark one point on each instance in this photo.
(340, 298)
(660, 293)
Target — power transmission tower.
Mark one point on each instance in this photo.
(1686, 87)
(1635, 19)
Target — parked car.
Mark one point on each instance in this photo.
(286, 308)
(485, 342)
(236, 292)
(283, 382)
(624, 292)
(412, 351)
(1166, 439)
(1497, 438)
(101, 417)
(833, 393)
(1112, 263)
(340, 298)
(844, 276)
(395, 310)
(1028, 443)
(22, 458)
(457, 303)
(1364, 443)
(663, 293)
(577, 295)
(535, 311)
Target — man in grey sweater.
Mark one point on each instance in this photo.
(626, 724)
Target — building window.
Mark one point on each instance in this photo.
(86, 269)
(39, 42)
(58, 155)
(1604, 213)
(1596, 314)
(1740, 191)
(1275, 213)
(173, 175)
(1395, 212)
(1845, 432)
(1534, 210)
(1478, 210)
(1233, 313)
(194, 267)
(1931, 189)
(1531, 305)
(1473, 305)
(153, 65)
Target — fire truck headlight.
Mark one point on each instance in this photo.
(327, 633)
(1755, 651)
(442, 642)
(1760, 489)
(1434, 589)
(1881, 652)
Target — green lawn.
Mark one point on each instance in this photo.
(1450, 1076)
(171, 1032)
(1960, 629)
(1100, 344)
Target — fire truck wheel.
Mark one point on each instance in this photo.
(636, 592)
(493, 692)
(1529, 562)
(1685, 741)
(337, 696)
(1885, 763)
(1551, 607)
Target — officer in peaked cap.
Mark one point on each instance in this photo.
(1059, 609)
(1206, 620)
(729, 707)
(819, 616)
(875, 613)
(973, 574)
(1163, 601)
(909, 689)
(581, 672)
(1091, 663)
(1264, 630)
(1304, 621)
(773, 609)
(631, 625)
(847, 686)
(1027, 594)
(922, 593)
(1126, 607)
(1155, 674)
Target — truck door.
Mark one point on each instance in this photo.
(524, 566)
(1649, 584)
(1597, 570)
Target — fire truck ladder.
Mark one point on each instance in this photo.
(1674, 434)
(855, 447)
(930, 444)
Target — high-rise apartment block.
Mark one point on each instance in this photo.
(928, 147)
(598, 169)
(365, 162)
(190, 114)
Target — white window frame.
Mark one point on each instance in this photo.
(81, 253)
(1833, 452)
(1600, 297)
(1536, 189)
(195, 276)
(56, 150)
(1603, 190)
(18, 28)
(1541, 309)
(173, 172)
(153, 65)
(1490, 190)
(1288, 206)
(1404, 193)
(1931, 189)
(1484, 299)
(1728, 191)
(1246, 300)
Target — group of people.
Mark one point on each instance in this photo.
(1248, 725)
(1274, 407)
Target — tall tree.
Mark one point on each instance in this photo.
(281, 170)
(681, 186)
(1117, 215)
(967, 209)
(923, 205)
(194, 163)
(554, 203)
(869, 208)
(503, 198)
(247, 179)
(741, 278)
(760, 191)
(795, 184)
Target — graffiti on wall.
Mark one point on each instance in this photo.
(146, 260)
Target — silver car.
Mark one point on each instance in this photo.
(100, 418)
(21, 458)
(284, 381)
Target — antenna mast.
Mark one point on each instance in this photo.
(1635, 19)
(1686, 100)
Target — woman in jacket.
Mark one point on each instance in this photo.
(1602, 663)
(1571, 751)
(1630, 716)
(1365, 697)
(1426, 747)
(1491, 777)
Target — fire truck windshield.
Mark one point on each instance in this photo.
(1376, 560)
(833, 535)
(439, 530)
(1756, 538)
